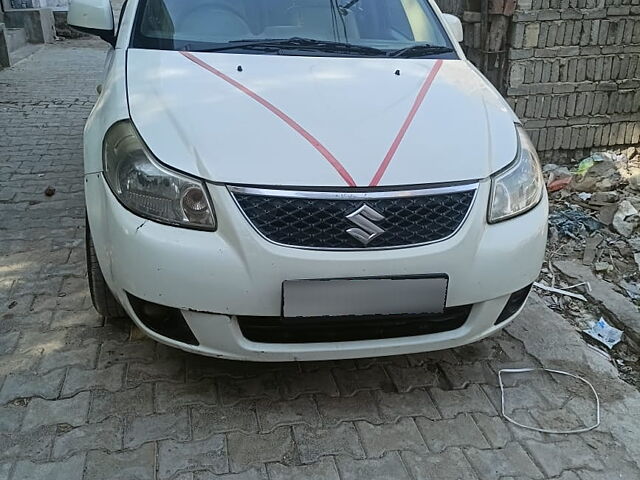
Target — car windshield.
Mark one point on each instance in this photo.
(407, 28)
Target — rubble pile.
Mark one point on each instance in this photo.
(594, 221)
(595, 216)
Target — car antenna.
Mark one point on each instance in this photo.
(398, 72)
(239, 68)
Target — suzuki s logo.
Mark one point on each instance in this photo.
(364, 217)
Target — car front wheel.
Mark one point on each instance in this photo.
(103, 299)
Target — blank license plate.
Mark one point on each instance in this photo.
(370, 296)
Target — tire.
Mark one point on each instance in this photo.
(103, 299)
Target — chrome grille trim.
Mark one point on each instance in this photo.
(370, 195)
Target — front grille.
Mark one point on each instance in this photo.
(352, 328)
(319, 220)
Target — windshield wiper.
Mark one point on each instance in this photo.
(298, 43)
(420, 50)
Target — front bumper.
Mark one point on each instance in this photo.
(214, 277)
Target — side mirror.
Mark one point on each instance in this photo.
(94, 17)
(455, 25)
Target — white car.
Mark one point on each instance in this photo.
(282, 180)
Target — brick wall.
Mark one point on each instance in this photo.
(571, 71)
(574, 72)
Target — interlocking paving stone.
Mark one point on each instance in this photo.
(134, 401)
(250, 450)
(114, 352)
(84, 356)
(20, 363)
(612, 453)
(511, 460)
(11, 417)
(286, 412)
(363, 363)
(461, 376)
(416, 403)
(31, 385)
(174, 457)
(71, 411)
(568, 454)
(453, 402)
(407, 378)
(559, 419)
(388, 467)
(106, 435)
(352, 381)
(137, 464)
(334, 410)
(438, 357)
(209, 420)
(324, 469)
(70, 469)
(518, 397)
(48, 341)
(318, 381)
(448, 465)
(88, 318)
(378, 439)
(171, 369)
(5, 470)
(8, 342)
(489, 349)
(234, 390)
(172, 425)
(79, 379)
(459, 431)
(251, 474)
(494, 429)
(34, 444)
(174, 395)
(199, 367)
(315, 442)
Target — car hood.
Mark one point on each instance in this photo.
(318, 121)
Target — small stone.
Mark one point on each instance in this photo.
(49, 191)
(625, 219)
(634, 243)
(602, 267)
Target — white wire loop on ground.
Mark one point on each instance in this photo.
(559, 372)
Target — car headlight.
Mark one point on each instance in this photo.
(147, 188)
(519, 187)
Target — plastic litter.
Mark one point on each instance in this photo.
(586, 163)
(604, 333)
(584, 196)
(632, 289)
(560, 291)
(573, 223)
(546, 430)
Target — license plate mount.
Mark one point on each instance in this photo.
(364, 296)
